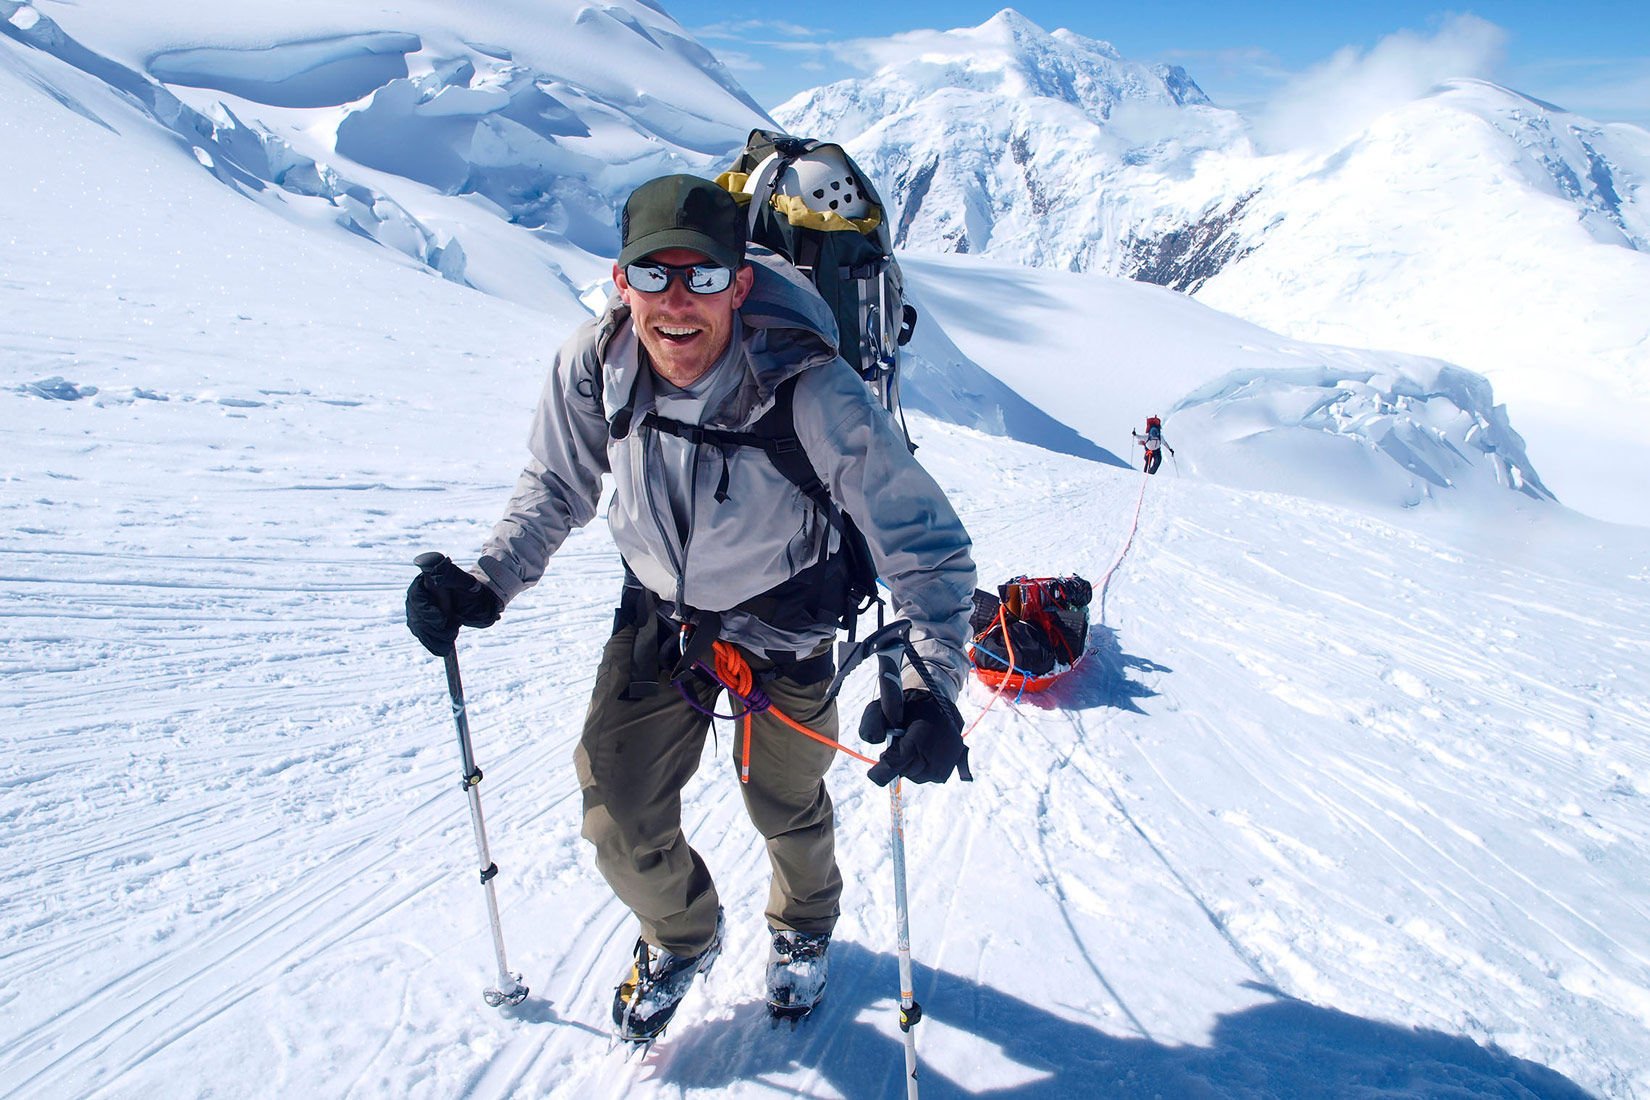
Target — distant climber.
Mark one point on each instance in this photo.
(1154, 443)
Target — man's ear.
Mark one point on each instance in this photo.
(743, 280)
(622, 283)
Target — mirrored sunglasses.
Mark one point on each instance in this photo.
(650, 277)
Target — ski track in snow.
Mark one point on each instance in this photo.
(1312, 752)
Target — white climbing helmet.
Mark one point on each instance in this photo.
(824, 180)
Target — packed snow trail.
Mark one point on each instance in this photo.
(1311, 790)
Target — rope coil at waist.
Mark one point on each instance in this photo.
(733, 672)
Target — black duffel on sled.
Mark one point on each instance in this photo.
(1031, 633)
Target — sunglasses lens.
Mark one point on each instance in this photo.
(650, 278)
(708, 278)
(700, 278)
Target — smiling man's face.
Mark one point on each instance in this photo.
(684, 333)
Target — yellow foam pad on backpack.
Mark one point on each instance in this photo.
(797, 213)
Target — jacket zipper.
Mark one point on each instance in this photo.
(692, 517)
(665, 540)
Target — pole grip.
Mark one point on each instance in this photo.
(893, 695)
(429, 564)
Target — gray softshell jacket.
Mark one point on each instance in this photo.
(766, 530)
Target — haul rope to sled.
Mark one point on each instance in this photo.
(1035, 629)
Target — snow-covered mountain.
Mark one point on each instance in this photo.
(1342, 803)
(1004, 139)
(1473, 225)
(411, 136)
(500, 167)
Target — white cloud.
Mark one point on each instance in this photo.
(933, 47)
(740, 62)
(873, 54)
(803, 47)
(1338, 97)
(742, 29)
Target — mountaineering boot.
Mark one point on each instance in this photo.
(797, 965)
(647, 998)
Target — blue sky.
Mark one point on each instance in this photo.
(1590, 56)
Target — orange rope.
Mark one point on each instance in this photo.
(735, 674)
(1003, 683)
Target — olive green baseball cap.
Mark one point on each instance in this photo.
(682, 212)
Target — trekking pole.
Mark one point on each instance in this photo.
(509, 990)
(893, 713)
(886, 643)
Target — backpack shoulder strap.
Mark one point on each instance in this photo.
(774, 434)
(777, 432)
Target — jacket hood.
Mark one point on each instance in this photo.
(787, 329)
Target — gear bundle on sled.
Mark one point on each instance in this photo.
(1032, 632)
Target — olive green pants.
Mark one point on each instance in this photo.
(632, 762)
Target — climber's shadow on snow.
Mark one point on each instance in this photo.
(1102, 680)
(1279, 1048)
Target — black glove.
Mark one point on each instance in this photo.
(441, 601)
(930, 747)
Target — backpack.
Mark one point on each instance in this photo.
(808, 201)
(1154, 428)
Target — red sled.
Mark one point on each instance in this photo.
(1019, 684)
(1034, 631)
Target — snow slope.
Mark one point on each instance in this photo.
(1240, 405)
(1474, 225)
(1335, 805)
(1496, 232)
(1341, 803)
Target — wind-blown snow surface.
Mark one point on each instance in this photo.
(1335, 805)
(1475, 225)
(1241, 405)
